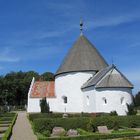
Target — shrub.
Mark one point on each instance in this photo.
(44, 115)
(91, 125)
(41, 125)
(86, 123)
(83, 132)
(46, 133)
(33, 116)
(7, 115)
(113, 113)
(131, 109)
(67, 123)
(115, 125)
(94, 136)
(44, 106)
(8, 132)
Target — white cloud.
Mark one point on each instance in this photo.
(134, 45)
(113, 20)
(7, 56)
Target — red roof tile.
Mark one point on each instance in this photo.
(42, 89)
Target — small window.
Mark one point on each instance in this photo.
(104, 100)
(65, 100)
(122, 101)
(88, 100)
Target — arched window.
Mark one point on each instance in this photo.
(122, 101)
(65, 100)
(104, 100)
(88, 100)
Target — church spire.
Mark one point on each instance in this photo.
(81, 26)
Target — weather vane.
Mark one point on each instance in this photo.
(81, 26)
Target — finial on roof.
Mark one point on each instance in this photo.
(81, 26)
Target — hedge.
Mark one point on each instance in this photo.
(44, 115)
(57, 115)
(6, 118)
(7, 114)
(94, 136)
(68, 123)
(86, 123)
(8, 132)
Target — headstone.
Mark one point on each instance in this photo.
(57, 131)
(72, 132)
(103, 129)
(65, 115)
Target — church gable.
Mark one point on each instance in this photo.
(108, 77)
(114, 79)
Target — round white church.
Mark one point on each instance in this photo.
(84, 82)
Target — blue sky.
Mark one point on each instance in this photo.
(36, 34)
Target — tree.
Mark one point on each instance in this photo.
(14, 86)
(47, 76)
(137, 99)
(44, 106)
(131, 109)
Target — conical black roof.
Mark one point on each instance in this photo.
(83, 56)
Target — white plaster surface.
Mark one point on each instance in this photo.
(70, 85)
(88, 100)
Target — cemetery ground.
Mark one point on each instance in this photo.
(7, 121)
(56, 126)
(59, 126)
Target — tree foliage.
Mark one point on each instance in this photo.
(14, 87)
(44, 106)
(137, 99)
(47, 76)
(131, 109)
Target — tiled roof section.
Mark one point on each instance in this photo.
(83, 56)
(42, 89)
(110, 81)
(95, 79)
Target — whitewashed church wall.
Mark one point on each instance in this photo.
(52, 103)
(116, 100)
(33, 105)
(69, 85)
(89, 100)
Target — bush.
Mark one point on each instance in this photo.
(44, 106)
(46, 133)
(86, 123)
(44, 115)
(115, 125)
(131, 109)
(113, 113)
(6, 118)
(8, 132)
(94, 136)
(67, 123)
(33, 116)
(40, 125)
(7, 115)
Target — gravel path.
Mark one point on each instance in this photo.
(22, 129)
